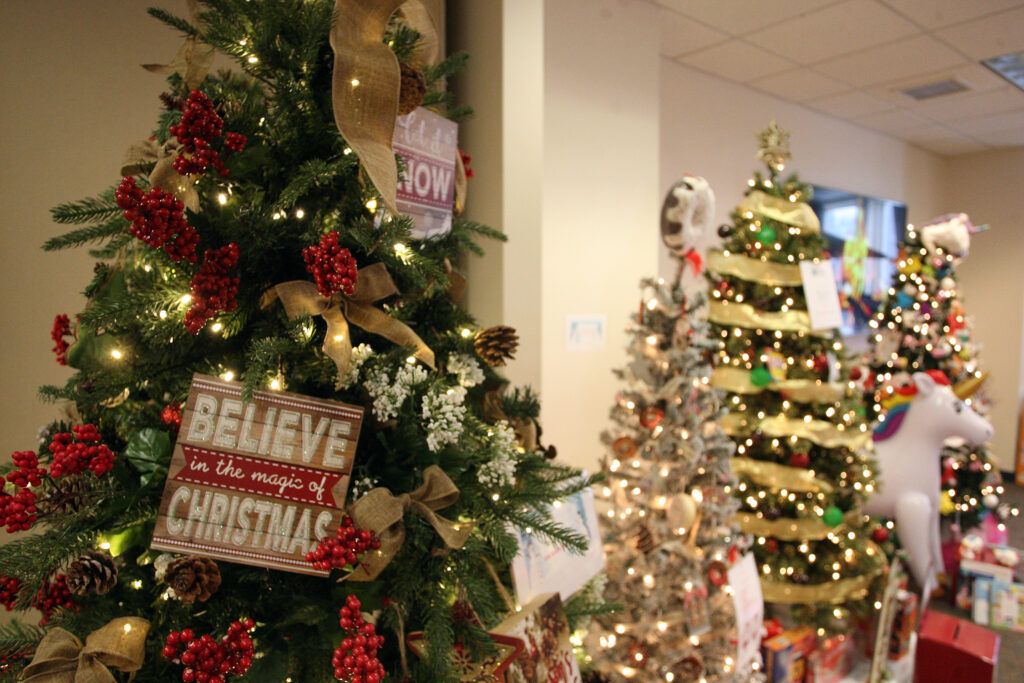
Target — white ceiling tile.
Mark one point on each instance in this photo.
(901, 59)
(835, 30)
(849, 105)
(969, 104)
(952, 146)
(799, 85)
(737, 61)
(896, 122)
(737, 17)
(681, 35)
(995, 35)
(1003, 138)
(938, 13)
(990, 123)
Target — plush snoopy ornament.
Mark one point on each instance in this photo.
(686, 214)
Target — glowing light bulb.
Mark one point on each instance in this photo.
(227, 376)
(222, 199)
(116, 354)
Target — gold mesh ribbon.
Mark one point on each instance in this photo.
(831, 592)
(737, 380)
(300, 297)
(745, 315)
(774, 475)
(823, 433)
(755, 270)
(810, 529)
(798, 214)
(193, 59)
(61, 657)
(382, 512)
(367, 81)
(163, 175)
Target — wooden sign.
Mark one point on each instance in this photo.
(256, 483)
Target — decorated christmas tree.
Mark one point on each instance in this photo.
(274, 388)
(666, 511)
(802, 443)
(921, 326)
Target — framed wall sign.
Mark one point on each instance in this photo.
(256, 483)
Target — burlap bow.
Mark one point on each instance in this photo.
(383, 512)
(163, 175)
(799, 214)
(61, 658)
(367, 82)
(193, 59)
(300, 297)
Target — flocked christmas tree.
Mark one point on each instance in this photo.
(666, 510)
(922, 325)
(803, 446)
(247, 184)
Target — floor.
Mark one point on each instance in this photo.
(1011, 647)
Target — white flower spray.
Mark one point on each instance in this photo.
(500, 470)
(444, 412)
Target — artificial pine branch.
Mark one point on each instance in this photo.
(92, 210)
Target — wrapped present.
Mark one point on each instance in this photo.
(785, 655)
(548, 657)
(904, 624)
(831, 661)
(1005, 602)
(951, 649)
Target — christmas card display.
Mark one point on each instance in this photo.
(821, 294)
(548, 657)
(540, 567)
(746, 586)
(428, 143)
(256, 482)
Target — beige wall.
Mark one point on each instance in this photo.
(74, 98)
(988, 187)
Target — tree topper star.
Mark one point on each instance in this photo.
(773, 146)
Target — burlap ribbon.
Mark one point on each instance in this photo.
(193, 59)
(737, 380)
(798, 214)
(745, 315)
(367, 82)
(774, 475)
(300, 297)
(823, 433)
(61, 658)
(810, 529)
(383, 512)
(163, 175)
(831, 592)
(755, 270)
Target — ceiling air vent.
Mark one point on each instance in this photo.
(946, 87)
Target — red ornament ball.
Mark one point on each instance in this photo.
(821, 363)
(332, 266)
(801, 460)
(880, 535)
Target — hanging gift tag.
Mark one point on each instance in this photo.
(698, 616)
(428, 143)
(821, 294)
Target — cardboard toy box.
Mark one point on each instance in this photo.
(1006, 603)
(903, 625)
(831, 661)
(785, 655)
(951, 649)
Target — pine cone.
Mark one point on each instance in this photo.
(64, 497)
(414, 87)
(594, 676)
(93, 572)
(193, 578)
(495, 344)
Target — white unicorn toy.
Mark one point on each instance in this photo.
(908, 445)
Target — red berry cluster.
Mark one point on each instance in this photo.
(171, 415)
(9, 589)
(28, 473)
(333, 267)
(52, 596)
(199, 126)
(345, 549)
(61, 329)
(213, 289)
(209, 661)
(18, 511)
(80, 451)
(158, 219)
(355, 660)
(466, 160)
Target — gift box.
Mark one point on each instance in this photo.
(1005, 602)
(831, 661)
(951, 649)
(785, 655)
(974, 570)
(903, 625)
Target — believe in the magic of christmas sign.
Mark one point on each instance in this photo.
(256, 482)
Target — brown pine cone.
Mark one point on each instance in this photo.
(595, 676)
(93, 572)
(414, 88)
(64, 497)
(496, 344)
(193, 578)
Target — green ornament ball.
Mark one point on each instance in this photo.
(833, 516)
(766, 235)
(760, 377)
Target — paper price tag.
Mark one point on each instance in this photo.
(821, 294)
